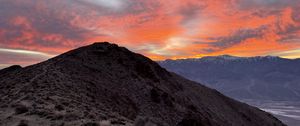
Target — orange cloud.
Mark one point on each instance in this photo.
(158, 29)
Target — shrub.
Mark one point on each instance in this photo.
(59, 107)
(155, 97)
(23, 123)
(21, 109)
(91, 124)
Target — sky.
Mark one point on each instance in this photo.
(35, 30)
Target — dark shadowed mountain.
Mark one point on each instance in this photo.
(9, 70)
(263, 78)
(103, 84)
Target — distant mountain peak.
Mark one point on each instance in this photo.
(230, 57)
(224, 57)
(96, 51)
(227, 58)
(103, 45)
(265, 70)
(268, 57)
(97, 46)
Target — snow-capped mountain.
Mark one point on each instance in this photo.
(261, 77)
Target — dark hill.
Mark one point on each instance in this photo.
(9, 70)
(103, 84)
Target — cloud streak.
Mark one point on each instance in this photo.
(24, 57)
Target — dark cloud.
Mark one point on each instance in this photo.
(191, 11)
(236, 38)
(289, 34)
(288, 29)
(269, 4)
(296, 14)
(262, 13)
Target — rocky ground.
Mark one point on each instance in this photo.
(104, 84)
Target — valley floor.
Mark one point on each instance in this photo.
(287, 111)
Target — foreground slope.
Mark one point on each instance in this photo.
(106, 84)
(260, 78)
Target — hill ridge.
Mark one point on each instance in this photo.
(105, 82)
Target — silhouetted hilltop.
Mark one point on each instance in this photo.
(10, 69)
(104, 84)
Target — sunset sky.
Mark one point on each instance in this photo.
(35, 30)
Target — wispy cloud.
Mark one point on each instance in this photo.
(111, 4)
(23, 57)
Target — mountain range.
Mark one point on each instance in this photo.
(103, 84)
(260, 78)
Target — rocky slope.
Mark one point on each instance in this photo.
(103, 84)
(260, 78)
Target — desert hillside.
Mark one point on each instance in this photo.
(104, 84)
